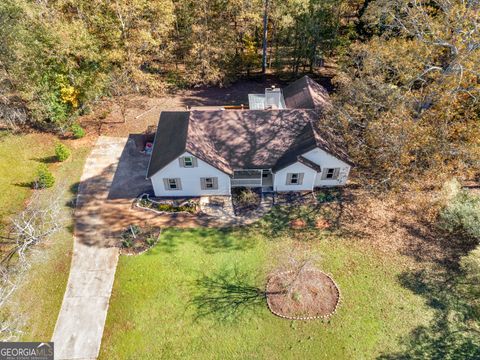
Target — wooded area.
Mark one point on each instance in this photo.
(407, 83)
(58, 56)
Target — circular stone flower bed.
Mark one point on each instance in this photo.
(305, 295)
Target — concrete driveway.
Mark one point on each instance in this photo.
(114, 175)
(79, 328)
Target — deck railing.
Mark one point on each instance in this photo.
(246, 182)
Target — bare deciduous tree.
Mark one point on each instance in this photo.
(8, 325)
(36, 223)
(297, 264)
(41, 218)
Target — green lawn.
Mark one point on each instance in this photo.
(156, 312)
(37, 302)
(20, 156)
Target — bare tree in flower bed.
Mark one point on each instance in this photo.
(136, 240)
(298, 290)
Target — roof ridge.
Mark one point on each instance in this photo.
(311, 164)
(225, 165)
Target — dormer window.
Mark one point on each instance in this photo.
(187, 161)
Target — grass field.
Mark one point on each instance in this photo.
(37, 301)
(159, 309)
(20, 156)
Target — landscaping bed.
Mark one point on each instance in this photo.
(137, 240)
(161, 206)
(304, 295)
(324, 195)
(295, 198)
(246, 200)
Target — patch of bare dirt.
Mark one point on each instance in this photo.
(304, 295)
(133, 114)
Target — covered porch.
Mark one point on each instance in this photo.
(253, 178)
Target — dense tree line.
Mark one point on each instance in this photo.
(408, 99)
(57, 56)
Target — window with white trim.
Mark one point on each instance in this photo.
(330, 174)
(172, 184)
(294, 178)
(209, 183)
(188, 161)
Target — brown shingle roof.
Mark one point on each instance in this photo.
(253, 139)
(177, 133)
(248, 139)
(306, 94)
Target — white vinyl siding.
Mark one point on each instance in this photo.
(190, 179)
(306, 178)
(328, 161)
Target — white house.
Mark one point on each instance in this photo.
(277, 146)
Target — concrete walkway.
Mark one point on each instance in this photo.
(79, 328)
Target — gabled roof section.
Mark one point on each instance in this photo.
(309, 163)
(306, 94)
(304, 142)
(243, 139)
(253, 139)
(178, 133)
(330, 143)
(170, 140)
(200, 145)
(307, 140)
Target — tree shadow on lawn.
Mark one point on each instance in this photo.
(212, 240)
(227, 296)
(46, 159)
(453, 333)
(278, 221)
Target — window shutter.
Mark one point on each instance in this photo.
(215, 183)
(181, 162)
(335, 173)
(194, 162)
(289, 179)
(165, 183)
(203, 184)
(324, 174)
(179, 183)
(300, 179)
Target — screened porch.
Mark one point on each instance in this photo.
(252, 178)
